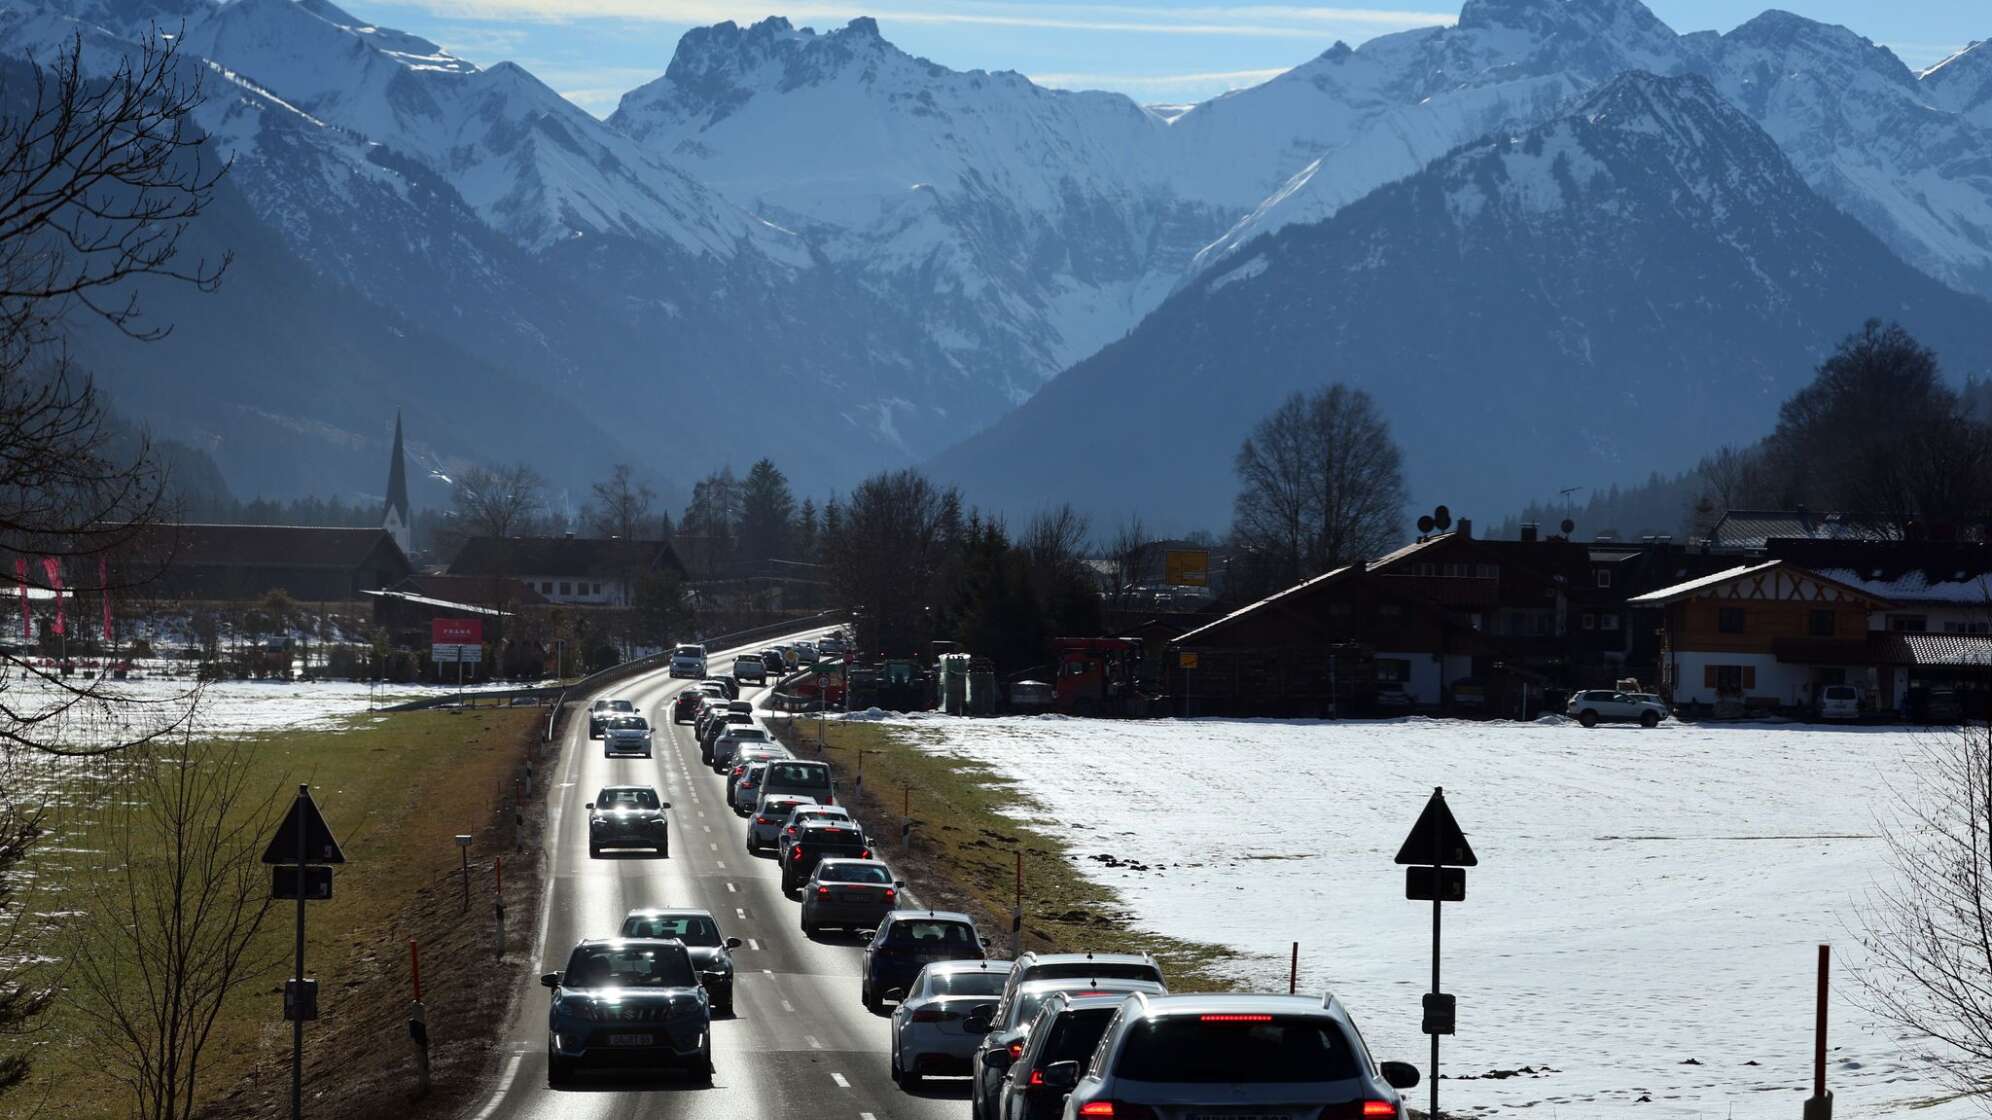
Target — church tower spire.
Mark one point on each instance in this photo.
(395, 517)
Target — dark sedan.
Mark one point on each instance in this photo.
(712, 954)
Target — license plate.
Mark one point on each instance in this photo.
(643, 1040)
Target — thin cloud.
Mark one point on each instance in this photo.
(1226, 78)
(1253, 20)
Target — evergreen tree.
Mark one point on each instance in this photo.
(806, 532)
(767, 514)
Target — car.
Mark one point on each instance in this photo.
(815, 841)
(1839, 702)
(1595, 706)
(743, 781)
(628, 817)
(624, 735)
(688, 661)
(1394, 697)
(1032, 696)
(728, 685)
(775, 662)
(770, 815)
(800, 776)
(805, 652)
(929, 1027)
(712, 954)
(1067, 1028)
(849, 894)
(1233, 1055)
(1033, 965)
(747, 667)
(713, 708)
(602, 710)
(728, 736)
(830, 647)
(627, 1001)
(685, 707)
(801, 815)
(1007, 1026)
(908, 941)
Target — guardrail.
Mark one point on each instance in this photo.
(657, 661)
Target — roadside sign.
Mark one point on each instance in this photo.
(1186, 567)
(1436, 840)
(317, 883)
(300, 1000)
(318, 844)
(1186, 660)
(451, 653)
(456, 631)
(1440, 1012)
(1435, 884)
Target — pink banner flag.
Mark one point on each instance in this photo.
(53, 569)
(27, 612)
(104, 584)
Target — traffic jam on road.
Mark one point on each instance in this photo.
(654, 990)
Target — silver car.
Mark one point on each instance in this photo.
(1598, 705)
(628, 817)
(930, 1029)
(1232, 1055)
(853, 894)
(627, 1002)
(626, 735)
(726, 744)
(801, 815)
(764, 828)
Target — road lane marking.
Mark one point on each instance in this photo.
(504, 1086)
(741, 913)
(731, 887)
(787, 1006)
(753, 944)
(866, 1116)
(713, 846)
(720, 862)
(814, 1044)
(837, 1077)
(707, 827)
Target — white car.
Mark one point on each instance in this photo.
(728, 744)
(930, 1032)
(806, 651)
(1839, 702)
(769, 817)
(688, 661)
(1596, 706)
(624, 735)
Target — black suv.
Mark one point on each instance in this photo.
(814, 842)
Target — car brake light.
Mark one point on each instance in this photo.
(1379, 1108)
(1037, 1078)
(1236, 1018)
(1016, 1050)
(865, 854)
(795, 852)
(822, 892)
(890, 893)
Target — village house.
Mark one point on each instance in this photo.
(586, 571)
(246, 562)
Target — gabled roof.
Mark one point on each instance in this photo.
(1695, 587)
(289, 546)
(1956, 650)
(590, 557)
(1271, 600)
(472, 589)
(1751, 528)
(437, 604)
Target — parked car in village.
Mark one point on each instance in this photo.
(908, 941)
(1032, 697)
(930, 1032)
(712, 953)
(628, 817)
(1595, 706)
(602, 710)
(1839, 702)
(688, 661)
(626, 735)
(630, 1002)
(748, 667)
(1234, 1055)
(849, 894)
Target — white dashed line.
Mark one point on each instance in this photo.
(815, 1044)
(721, 864)
(713, 846)
(741, 913)
(707, 827)
(837, 1077)
(866, 1116)
(787, 1006)
(731, 887)
(753, 944)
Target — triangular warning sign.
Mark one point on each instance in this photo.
(319, 847)
(1436, 840)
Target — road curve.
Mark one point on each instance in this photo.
(798, 1045)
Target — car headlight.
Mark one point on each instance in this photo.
(578, 1009)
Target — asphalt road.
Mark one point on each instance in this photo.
(799, 1043)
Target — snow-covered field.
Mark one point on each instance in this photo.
(1641, 930)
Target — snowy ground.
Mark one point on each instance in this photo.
(1642, 924)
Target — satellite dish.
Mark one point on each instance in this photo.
(1442, 517)
(1568, 526)
(1425, 524)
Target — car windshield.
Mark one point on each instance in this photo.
(630, 723)
(1083, 970)
(1074, 1035)
(1230, 1049)
(692, 929)
(931, 934)
(980, 982)
(809, 815)
(800, 774)
(689, 651)
(857, 873)
(626, 799)
(613, 966)
(748, 735)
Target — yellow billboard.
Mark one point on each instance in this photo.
(1186, 567)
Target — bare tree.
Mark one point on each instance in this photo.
(27, 978)
(1321, 484)
(173, 914)
(883, 548)
(1123, 555)
(1271, 516)
(498, 501)
(621, 506)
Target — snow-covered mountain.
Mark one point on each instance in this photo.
(1636, 282)
(1036, 224)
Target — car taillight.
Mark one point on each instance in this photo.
(762, 820)
(1380, 1108)
(795, 852)
(1116, 1110)
(790, 830)
(1016, 1050)
(865, 854)
(823, 892)
(890, 893)
(1037, 1079)
(1236, 1018)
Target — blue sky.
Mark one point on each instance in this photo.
(1162, 51)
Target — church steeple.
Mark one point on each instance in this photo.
(395, 517)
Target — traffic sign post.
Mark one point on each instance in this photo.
(301, 853)
(1435, 857)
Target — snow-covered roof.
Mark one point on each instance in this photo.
(441, 604)
(1275, 597)
(1936, 649)
(1915, 586)
(1683, 590)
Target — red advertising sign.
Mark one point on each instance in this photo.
(456, 631)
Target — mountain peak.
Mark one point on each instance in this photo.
(1552, 15)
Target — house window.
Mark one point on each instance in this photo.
(1608, 622)
(595, 589)
(1392, 670)
(1590, 620)
(1604, 577)
(1729, 620)
(1729, 679)
(566, 587)
(1954, 627)
(1908, 623)
(1820, 624)
(546, 587)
